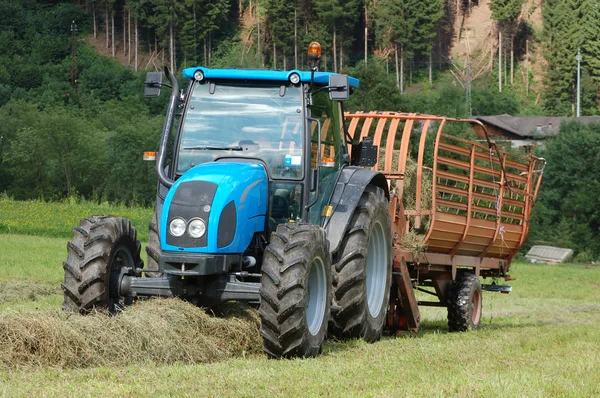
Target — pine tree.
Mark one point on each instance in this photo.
(338, 17)
(590, 48)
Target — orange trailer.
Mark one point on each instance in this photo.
(473, 216)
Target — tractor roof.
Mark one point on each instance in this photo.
(264, 75)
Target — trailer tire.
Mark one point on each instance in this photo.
(363, 270)
(103, 249)
(295, 296)
(465, 303)
(153, 248)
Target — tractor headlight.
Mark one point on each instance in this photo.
(197, 228)
(177, 227)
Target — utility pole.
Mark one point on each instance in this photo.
(578, 82)
(73, 55)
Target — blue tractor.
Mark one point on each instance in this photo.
(258, 200)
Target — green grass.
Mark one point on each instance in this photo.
(57, 219)
(541, 340)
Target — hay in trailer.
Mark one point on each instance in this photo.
(414, 240)
(160, 331)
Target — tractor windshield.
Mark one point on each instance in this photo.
(244, 120)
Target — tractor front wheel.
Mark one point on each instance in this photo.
(363, 270)
(464, 303)
(103, 249)
(295, 292)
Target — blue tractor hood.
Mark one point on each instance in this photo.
(230, 198)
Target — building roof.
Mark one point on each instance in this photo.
(264, 75)
(532, 126)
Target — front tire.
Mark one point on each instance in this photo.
(363, 271)
(465, 303)
(295, 292)
(153, 248)
(103, 248)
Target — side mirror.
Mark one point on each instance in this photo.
(152, 84)
(339, 89)
(364, 154)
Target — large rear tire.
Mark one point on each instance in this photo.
(296, 291)
(103, 248)
(363, 270)
(465, 303)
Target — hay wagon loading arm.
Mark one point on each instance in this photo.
(467, 203)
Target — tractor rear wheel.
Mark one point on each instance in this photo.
(363, 270)
(465, 303)
(296, 291)
(103, 249)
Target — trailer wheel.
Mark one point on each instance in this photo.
(296, 291)
(465, 303)
(103, 248)
(153, 248)
(363, 271)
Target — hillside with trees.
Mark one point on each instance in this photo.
(75, 123)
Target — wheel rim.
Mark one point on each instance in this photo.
(376, 269)
(476, 307)
(316, 296)
(123, 258)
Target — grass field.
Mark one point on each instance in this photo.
(541, 340)
(57, 219)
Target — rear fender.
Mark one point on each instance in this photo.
(346, 195)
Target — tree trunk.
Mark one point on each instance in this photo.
(106, 24)
(95, 21)
(171, 47)
(430, 66)
(366, 32)
(512, 60)
(129, 37)
(295, 39)
(135, 22)
(334, 52)
(204, 53)
(527, 67)
(124, 31)
(112, 34)
(499, 61)
(195, 36)
(397, 68)
(410, 70)
(258, 34)
(274, 56)
(401, 68)
(341, 56)
(284, 62)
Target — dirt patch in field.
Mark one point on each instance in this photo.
(161, 331)
(10, 291)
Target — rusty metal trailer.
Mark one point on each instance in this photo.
(472, 218)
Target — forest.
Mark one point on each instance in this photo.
(74, 122)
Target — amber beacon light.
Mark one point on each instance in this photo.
(314, 55)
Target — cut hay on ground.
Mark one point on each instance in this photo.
(16, 290)
(161, 331)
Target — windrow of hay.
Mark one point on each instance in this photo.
(25, 289)
(161, 331)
